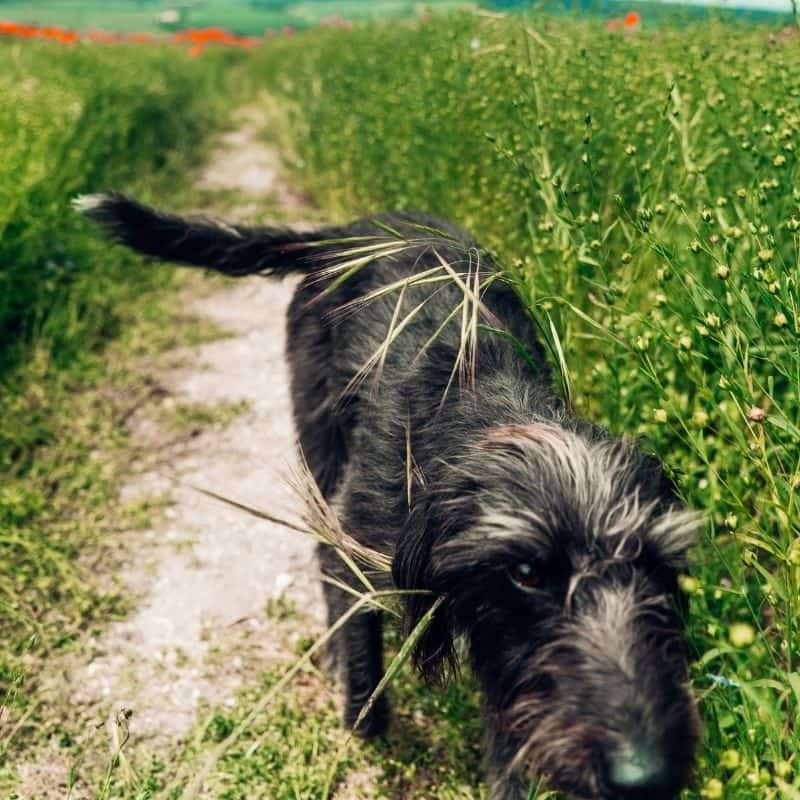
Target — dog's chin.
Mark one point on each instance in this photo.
(594, 789)
(574, 775)
(580, 774)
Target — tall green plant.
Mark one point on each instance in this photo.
(644, 188)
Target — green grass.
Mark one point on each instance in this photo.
(192, 418)
(77, 120)
(645, 190)
(294, 747)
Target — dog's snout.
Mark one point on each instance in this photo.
(636, 769)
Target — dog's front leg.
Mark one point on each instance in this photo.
(356, 650)
(502, 785)
(362, 662)
(501, 782)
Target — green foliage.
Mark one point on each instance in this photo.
(191, 418)
(75, 120)
(644, 189)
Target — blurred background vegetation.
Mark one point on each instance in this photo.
(255, 17)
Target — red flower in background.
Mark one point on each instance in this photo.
(632, 20)
(100, 36)
(24, 31)
(629, 23)
(198, 38)
(18, 29)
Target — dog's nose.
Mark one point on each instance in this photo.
(634, 768)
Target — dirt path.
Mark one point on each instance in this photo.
(207, 571)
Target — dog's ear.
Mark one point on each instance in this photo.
(434, 652)
(676, 529)
(653, 474)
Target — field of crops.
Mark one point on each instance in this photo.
(645, 188)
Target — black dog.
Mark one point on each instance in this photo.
(554, 545)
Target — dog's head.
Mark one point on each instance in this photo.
(558, 554)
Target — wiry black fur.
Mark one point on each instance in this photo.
(584, 673)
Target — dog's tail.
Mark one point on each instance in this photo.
(201, 241)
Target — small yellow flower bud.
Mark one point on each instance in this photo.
(723, 270)
(730, 759)
(783, 769)
(779, 320)
(660, 415)
(741, 634)
(713, 790)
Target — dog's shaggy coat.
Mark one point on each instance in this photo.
(555, 546)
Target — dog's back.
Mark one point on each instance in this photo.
(387, 305)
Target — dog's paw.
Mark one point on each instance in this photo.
(374, 723)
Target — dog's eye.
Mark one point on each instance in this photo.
(524, 576)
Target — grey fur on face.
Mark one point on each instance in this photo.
(555, 546)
